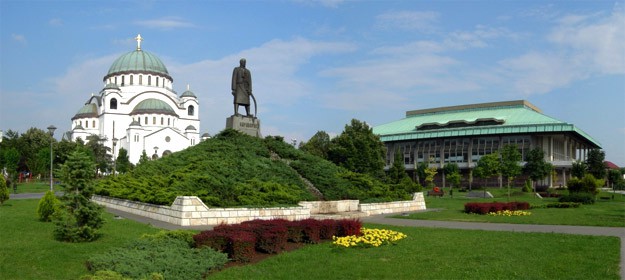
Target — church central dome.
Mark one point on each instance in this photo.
(138, 61)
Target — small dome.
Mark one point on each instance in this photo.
(188, 93)
(153, 106)
(88, 111)
(111, 86)
(206, 135)
(135, 123)
(190, 127)
(79, 127)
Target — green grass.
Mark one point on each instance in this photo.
(28, 250)
(429, 253)
(606, 213)
(34, 187)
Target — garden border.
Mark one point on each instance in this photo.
(191, 211)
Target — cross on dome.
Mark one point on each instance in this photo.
(139, 39)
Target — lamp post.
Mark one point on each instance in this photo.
(51, 130)
(114, 159)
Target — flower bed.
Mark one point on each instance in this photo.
(483, 208)
(243, 241)
(510, 213)
(369, 238)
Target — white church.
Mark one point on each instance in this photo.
(138, 110)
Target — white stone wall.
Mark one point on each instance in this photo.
(191, 211)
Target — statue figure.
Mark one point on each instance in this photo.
(242, 88)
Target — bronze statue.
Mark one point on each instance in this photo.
(242, 88)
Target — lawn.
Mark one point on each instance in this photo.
(29, 252)
(606, 213)
(429, 253)
(34, 187)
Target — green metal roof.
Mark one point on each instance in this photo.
(88, 111)
(138, 61)
(153, 106)
(512, 117)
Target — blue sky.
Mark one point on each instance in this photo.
(318, 64)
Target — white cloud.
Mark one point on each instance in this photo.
(583, 45)
(165, 23)
(407, 20)
(55, 22)
(19, 38)
(596, 42)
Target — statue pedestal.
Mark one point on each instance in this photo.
(247, 125)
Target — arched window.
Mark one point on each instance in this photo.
(149, 80)
(146, 120)
(93, 124)
(157, 81)
(154, 120)
(162, 120)
(123, 80)
(131, 82)
(113, 104)
(191, 110)
(141, 79)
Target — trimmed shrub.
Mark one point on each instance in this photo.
(180, 234)
(4, 190)
(311, 228)
(216, 239)
(171, 258)
(484, 208)
(582, 197)
(47, 206)
(348, 227)
(243, 245)
(563, 205)
(327, 229)
(271, 235)
(295, 232)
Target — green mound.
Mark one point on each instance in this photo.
(233, 169)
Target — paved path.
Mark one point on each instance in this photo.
(386, 220)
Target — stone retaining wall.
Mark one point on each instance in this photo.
(191, 211)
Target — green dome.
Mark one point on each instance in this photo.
(88, 111)
(153, 106)
(188, 93)
(138, 61)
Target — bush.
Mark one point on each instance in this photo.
(527, 187)
(47, 206)
(587, 184)
(583, 198)
(4, 190)
(348, 227)
(216, 239)
(311, 229)
(327, 229)
(243, 245)
(172, 258)
(180, 234)
(563, 205)
(483, 208)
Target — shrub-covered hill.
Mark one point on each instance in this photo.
(233, 169)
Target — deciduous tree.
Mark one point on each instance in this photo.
(359, 150)
(536, 167)
(318, 144)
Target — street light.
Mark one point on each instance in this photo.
(51, 130)
(114, 159)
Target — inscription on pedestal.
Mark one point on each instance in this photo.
(247, 125)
